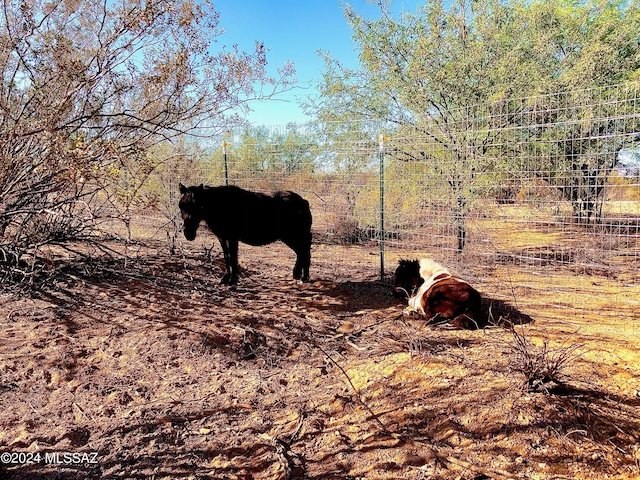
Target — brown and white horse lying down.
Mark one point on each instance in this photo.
(438, 295)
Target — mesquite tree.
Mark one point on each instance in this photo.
(447, 71)
(88, 87)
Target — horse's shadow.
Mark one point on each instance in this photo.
(353, 296)
(500, 313)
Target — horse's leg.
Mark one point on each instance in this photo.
(297, 268)
(304, 257)
(303, 260)
(295, 246)
(227, 264)
(233, 260)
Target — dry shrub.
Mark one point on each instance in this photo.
(542, 366)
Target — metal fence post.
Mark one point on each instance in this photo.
(226, 168)
(382, 234)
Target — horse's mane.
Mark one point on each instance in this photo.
(429, 267)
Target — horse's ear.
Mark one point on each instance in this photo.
(183, 189)
(201, 187)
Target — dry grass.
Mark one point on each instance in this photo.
(165, 374)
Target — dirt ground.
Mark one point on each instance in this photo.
(149, 369)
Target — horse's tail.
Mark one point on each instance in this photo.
(300, 210)
(298, 215)
(304, 222)
(305, 214)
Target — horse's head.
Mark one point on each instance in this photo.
(407, 278)
(191, 210)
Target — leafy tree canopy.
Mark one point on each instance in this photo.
(446, 56)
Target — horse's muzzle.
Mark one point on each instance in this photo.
(400, 292)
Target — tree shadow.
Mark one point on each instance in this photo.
(355, 296)
(268, 320)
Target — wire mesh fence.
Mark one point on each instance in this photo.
(539, 193)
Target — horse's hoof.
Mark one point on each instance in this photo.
(300, 275)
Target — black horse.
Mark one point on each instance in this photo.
(407, 278)
(236, 215)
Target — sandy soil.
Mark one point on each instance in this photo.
(153, 370)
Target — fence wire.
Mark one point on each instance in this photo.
(532, 194)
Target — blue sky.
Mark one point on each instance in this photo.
(293, 30)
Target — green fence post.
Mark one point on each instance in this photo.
(381, 161)
(226, 168)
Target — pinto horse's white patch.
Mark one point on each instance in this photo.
(415, 302)
(429, 268)
(444, 298)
